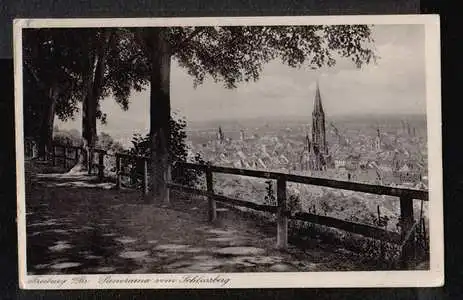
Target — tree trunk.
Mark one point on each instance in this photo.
(90, 106)
(46, 131)
(159, 110)
(89, 129)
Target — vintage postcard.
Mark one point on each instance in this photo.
(263, 152)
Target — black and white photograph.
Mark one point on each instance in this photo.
(229, 152)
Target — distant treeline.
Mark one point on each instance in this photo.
(73, 137)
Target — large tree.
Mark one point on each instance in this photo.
(110, 65)
(232, 55)
(49, 87)
(80, 65)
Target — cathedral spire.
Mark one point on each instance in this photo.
(318, 107)
(378, 140)
(220, 135)
(318, 131)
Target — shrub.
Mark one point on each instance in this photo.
(294, 203)
(269, 198)
(67, 137)
(178, 152)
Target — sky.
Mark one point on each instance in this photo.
(395, 84)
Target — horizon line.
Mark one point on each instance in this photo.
(367, 115)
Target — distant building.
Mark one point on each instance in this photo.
(378, 140)
(315, 154)
(283, 159)
(408, 173)
(347, 161)
(307, 160)
(353, 162)
(318, 124)
(220, 135)
(363, 163)
(328, 160)
(242, 135)
(399, 159)
(340, 163)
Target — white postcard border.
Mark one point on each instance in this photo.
(429, 278)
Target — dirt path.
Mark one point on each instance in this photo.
(77, 225)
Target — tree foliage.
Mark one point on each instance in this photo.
(63, 57)
(229, 54)
(237, 54)
(107, 142)
(51, 61)
(34, 107)
(128, 68)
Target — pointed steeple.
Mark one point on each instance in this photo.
(378, 140)
(318, 125)
(308, 144)
(318, 107)
(220, 135)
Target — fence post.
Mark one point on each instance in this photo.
(90, 156)
(118, 171)
(65, 162)
(211, 202)
(282, 219)
(145, 176)
(406, 217)
(34, 150)
(101, 165)
(53, 153)
(168, 180)
(77, 155)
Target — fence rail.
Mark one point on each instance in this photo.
(406, 196)
(64, 155)
(120, 172)
(331, 183)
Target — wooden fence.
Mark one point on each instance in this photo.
(56, 155)
(406, 196)
(69, 161)
(120, 157)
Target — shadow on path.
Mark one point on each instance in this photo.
(77, 225)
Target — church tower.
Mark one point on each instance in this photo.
(378, 140)
(308, 144)
(220, 135)
(318, 124)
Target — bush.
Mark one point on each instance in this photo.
(178, 152)
(67, 137)
(294, 203)
(106, 142)
(269, 198)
